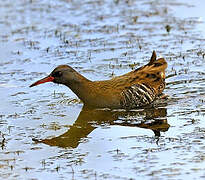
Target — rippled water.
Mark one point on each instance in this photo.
(44, 131)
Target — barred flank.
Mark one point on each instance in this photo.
(137, 95)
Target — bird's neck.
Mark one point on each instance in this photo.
(81, 87)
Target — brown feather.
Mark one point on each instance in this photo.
(131, 90)
(153, 58)
(151, 76)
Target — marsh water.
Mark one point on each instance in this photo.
(45, 133)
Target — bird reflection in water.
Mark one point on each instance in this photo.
(152, 118)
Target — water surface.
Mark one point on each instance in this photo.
(100, 39)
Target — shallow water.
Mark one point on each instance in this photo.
(44, 132)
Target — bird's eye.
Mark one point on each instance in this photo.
(57, 74)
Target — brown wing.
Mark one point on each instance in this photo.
(146, 83)
(152, 74)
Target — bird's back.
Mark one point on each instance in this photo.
(137, 88)
(146, 84)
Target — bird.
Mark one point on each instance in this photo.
(135, 89)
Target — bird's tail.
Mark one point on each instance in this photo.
(155, 66)
(153, 73)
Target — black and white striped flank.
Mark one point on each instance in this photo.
(137, 95)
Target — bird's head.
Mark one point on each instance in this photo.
(62, 74)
